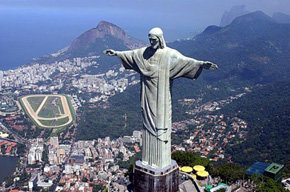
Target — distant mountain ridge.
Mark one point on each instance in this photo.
(252, 18)
(94, 41)
(230, 15)
(253, 48)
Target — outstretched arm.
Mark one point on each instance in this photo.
(182, 66)
(128, 58)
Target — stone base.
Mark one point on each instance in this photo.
(148, 179)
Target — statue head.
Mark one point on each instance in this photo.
(156, 38)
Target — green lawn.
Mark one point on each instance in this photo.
(35, 102)
(52, 107)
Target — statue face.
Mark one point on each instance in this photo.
(154, 41)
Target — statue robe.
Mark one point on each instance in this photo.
(157, 70)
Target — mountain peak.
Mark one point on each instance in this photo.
(103, 22)
(106, 24)
(257, 16)
(106, 28)
(94, 41)
(233, 13)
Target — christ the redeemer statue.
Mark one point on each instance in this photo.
(158, 66)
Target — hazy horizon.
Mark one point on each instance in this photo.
(36, 27)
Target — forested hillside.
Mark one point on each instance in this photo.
(252, 49)
(111, 121)
(267, 111)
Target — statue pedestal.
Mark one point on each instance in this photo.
(148, 179)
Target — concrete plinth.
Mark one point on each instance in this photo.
(148, 179)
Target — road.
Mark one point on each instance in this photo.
(18, 138)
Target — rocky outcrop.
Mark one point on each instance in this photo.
(104, 30)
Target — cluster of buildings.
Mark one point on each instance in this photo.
(94, 163)
(76, 103)
(35, 151)
(57, 153)
(105, 84)
(67, 76)
(82, 165)
(135, 138)
(7, 103)
(211, 106)
(15, 121)
(102, 83)
(42, 178)
(208, 135)
(50, 164)
(27, 78)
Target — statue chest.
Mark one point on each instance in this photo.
(155, 63)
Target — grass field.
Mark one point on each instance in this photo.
(35, 102)
(51, 108)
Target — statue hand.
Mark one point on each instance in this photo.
(209, 65)
(110, 52)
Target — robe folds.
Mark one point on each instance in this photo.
(157, 69)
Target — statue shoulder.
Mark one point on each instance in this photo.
(170, 51)
(140, 50)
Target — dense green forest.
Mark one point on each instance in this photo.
(189, 159)
(267, 111)
(123, 115)
(120, 118)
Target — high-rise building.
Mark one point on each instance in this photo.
(38, 155)
(31, 158)
(54, 142)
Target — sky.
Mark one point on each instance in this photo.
(32, 28)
